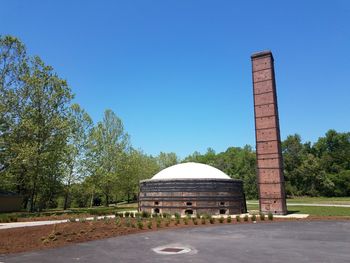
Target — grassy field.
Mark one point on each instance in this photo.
(252, 205)
(312, 210)
(314, 200)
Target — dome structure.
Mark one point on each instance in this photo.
(192, 188)
(190, 171)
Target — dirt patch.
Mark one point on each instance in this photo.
(40, 237)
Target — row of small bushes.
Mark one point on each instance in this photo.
(177, 216)
(203, 219)
(141, 220)
(8, 218)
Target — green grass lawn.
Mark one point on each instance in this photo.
(319, 200)
(312, 210)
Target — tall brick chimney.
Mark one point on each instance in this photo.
(267, 134)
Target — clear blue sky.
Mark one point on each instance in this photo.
(178, 72)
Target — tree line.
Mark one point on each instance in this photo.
(319, 169)
(53, 154)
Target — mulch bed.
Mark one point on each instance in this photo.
(49, 236)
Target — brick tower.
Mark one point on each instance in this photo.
(267, 134)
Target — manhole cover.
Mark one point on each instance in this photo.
(171, 250)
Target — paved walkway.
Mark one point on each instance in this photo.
(42, 223)
(277, 242)
(53, 222)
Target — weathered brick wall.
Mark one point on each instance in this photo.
(199, 195)
(268, 142)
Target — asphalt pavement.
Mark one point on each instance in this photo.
(327, 241)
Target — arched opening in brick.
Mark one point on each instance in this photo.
(222, 211)
(156, 210)
(189, 212)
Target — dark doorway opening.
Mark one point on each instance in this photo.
(222, 211)
(156, 210)
(189, 212)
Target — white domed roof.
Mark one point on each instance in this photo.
(190, 171)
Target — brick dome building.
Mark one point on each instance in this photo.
(191, 188)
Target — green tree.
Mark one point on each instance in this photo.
(34, 103)
(107, 144)
(294, 154)
(80, 125)
(165, 160)
(13, 64)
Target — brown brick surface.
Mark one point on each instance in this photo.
(265, 122)
(268, 149)
(262, 63)
(262, 87)
(264, 98)
(268, 163)
(266, 135)
(265, 110)
(262, 75)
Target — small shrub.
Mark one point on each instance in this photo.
(167, 222)
(128, 222)
(149, 224)
(262, 216)
(159, 222)
(145, 214)
(245, 218)
(117, 221)
(177, 221)
(46, 241)
(253, 217)
(52, 236)
(72, 220)
(132, 215)
(270, 216)
(13, 218)
(140, 224)
(4, 219)
(106, 220)
(119, 214)
(166, 215)
(127, 214)
(212, 220)
(207, 216)
(95, 218)
(155, 215)
(198, 215)
(203, 221)
(133, 225)
(238, 218)
(229, 219)
(82, 220)
(221, 219)
(177, 215)
(185, 219)
(194, 220)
